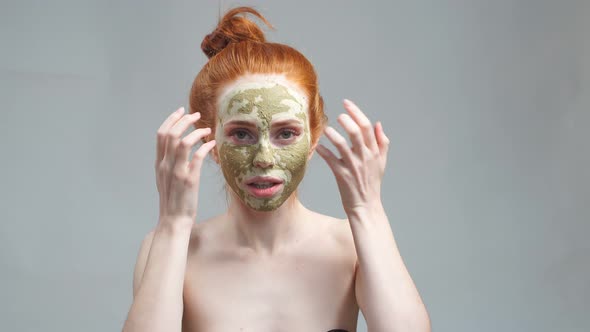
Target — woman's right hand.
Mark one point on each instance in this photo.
(177, 178)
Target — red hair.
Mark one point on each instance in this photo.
(237, 47)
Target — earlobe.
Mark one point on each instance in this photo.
(214, 155)
(311, 151)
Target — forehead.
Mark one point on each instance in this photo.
(262, 95)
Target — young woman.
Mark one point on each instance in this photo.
(268, 263)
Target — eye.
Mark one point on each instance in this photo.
(241, 135)
(287, 134)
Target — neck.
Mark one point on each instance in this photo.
(266, 232)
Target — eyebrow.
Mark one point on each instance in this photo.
(253, 124)
(240, 123)
(287, 121)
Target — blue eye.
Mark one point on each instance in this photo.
(287, 134)
(240, 134)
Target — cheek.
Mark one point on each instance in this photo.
(235, 160)
(293, 157)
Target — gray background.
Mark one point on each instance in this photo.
(486, 104)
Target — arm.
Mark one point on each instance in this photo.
(157, 290)
(142, 258)
(384, 289)
(158, 279)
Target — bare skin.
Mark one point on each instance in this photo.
(290, 269)
(281, 270)
(307, 285)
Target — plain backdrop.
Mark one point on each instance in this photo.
(486, 103)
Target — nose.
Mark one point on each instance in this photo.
(264, 157)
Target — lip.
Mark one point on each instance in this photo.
(271, 179)
(264, 192)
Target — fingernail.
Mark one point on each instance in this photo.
(348, 102)
(180, 110)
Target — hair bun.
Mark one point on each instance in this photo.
(233, 29)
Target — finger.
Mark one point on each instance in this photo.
(333, 162)
(176, 131)
(198, 157)
(340, 144)
(187, 143)
(353, 130)
(163, 130)
(382, 140)
(363, 122)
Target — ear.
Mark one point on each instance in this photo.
(214, 154)
(312, 150)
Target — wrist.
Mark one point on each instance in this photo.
(371, 210)
(174, 225)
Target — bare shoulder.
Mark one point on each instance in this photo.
(203, 234)
(339, 228)
(339, 234)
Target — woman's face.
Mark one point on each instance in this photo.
(263, 139)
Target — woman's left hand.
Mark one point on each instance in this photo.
(360, 169)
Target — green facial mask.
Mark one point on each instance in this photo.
(262, 155)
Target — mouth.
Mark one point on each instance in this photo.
(263, 186)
